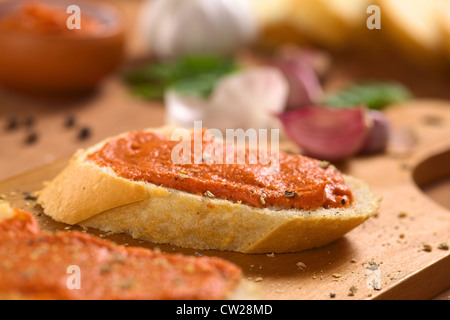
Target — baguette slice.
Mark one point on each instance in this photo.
(413, 27)
(93, 196)
(35, 263)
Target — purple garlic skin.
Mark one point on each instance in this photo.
(305, 88)
(378, 136)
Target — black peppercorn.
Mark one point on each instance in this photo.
(12, 123)
(70, 121)
(31, 138)
(84, 133)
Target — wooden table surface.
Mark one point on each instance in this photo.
(112, 110)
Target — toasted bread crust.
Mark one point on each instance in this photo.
(96, 197)
(81, 191)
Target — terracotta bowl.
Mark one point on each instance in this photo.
(61, 63)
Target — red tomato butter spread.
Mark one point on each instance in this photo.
(36, 17)
(299, 183)
(41, 265)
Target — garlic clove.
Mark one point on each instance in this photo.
(249, 98)
(331, 134)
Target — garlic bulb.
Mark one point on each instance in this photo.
(251, 98)
(170, 28)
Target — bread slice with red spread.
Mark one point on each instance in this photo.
(128, 184)
(75, 265)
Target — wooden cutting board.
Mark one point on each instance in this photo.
(384, 258)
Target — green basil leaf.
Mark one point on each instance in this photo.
(374, 95)
(191, 74)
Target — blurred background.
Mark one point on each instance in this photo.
(63, 89)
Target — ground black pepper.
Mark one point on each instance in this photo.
(27, 196)
(289, 194)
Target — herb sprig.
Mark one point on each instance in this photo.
(374, 95)
(194, 74)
